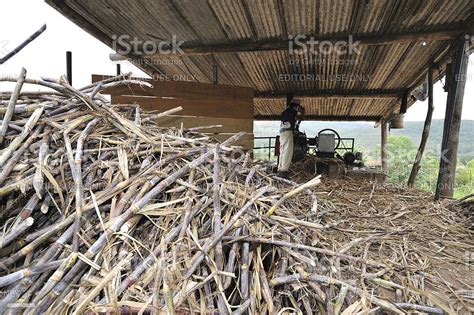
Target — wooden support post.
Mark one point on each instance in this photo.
(452, 124)
(404, 105)
(426, 130)
(384, 134)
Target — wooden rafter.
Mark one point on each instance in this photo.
(372, 94)
(324, 118)
(364, 39)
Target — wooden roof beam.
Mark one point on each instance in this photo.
(372, 94)
(324, 118)
(246, 46)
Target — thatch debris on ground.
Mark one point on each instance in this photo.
(104, 211)
(466, 203)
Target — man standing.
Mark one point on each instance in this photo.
(287, 126)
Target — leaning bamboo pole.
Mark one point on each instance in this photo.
(426, 130)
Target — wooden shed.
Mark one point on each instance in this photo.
(392, 44)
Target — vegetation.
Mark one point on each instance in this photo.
(401, 153)
(465, 179)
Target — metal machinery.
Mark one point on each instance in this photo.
(325, 147)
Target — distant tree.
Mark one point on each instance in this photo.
(401, 151)
(401, 154)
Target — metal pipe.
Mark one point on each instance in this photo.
(69, 67)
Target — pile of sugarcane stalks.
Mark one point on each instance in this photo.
(104, 211)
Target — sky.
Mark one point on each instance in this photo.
(46, 56)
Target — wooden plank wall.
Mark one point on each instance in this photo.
(203, 104)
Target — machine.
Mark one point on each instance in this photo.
(321, 153)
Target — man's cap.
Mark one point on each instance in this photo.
(295, 102)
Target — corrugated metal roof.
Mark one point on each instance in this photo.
(396, 66)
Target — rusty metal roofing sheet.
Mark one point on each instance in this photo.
(212, 22)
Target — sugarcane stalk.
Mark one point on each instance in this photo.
(8, 167)
(242, 308)
(311, 249)
(197, 259)
(18, 275)
(207, 290)
(37, 242)
(28, 209)
(52, 252)
(419, 308)
(244, 267)
(148, 262)
(45, 204)
(34, 288)
(57, 296)
(38, 180)
(11, 105)
(16, 185)
(320, 295)
(300, 257)
(163, 114)
(16, 232)
(167, 291)
(81, 307)
(327, 280)
(313, 182)
(17, 49)
(311, 194)
(55, 277)
(266, 291)
(77, 176)
(219, 256)
(6, 154)
(118, 78)
(340, 300)
(232, 257)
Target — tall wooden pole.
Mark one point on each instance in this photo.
(452, 124)
(426, 130)
(383, 151)
(69, 67)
